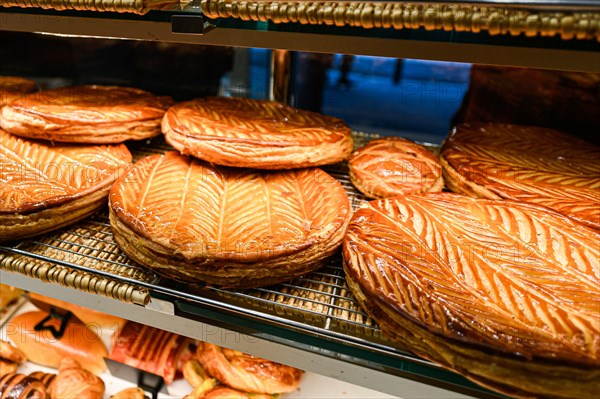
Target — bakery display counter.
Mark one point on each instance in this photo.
(554, 35)
(312, 322)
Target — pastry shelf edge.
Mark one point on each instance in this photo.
(457, 46)
(405, 380)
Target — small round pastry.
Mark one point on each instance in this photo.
(14, 88)
(196, 222)
(86, 114)
(246, 372)
(395, 166)
(45, 187)
(248, 133)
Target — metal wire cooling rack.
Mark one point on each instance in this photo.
(85, 256)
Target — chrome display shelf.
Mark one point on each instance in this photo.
(312, 322)
(536, 52)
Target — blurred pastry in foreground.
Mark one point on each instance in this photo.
(8, 294)
(497, 290)
(395, 166)
(224, 392)
(14, 88)
(130, 393)
(44, 345)
(19, 386)
(75, 382)
(246, 372)
(90, 317)
(525, 163)
(150, 349)
(44, 187)
(86, 114)
(196, 222)
(257, 134)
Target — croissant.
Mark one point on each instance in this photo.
(75, 382)
(19, 386)
(247, 373)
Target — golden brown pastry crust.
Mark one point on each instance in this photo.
(247, 373)
(395, 166)
(531, 164)
(496, 290)
(14, 88)
(86, 114)
(255, 134)
(75, 382)
(192, 221)
(45, 187)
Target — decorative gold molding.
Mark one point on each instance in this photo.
(400, 15)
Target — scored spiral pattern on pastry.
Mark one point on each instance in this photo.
(394, 166)
(530, 164)
(252, 133)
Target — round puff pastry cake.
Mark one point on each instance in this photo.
(44, 187)
(531, 164)
(13, 88)
(86, 114)
(395, 166)
(247, 373)
(258, 134)
(196, 222)
(497, 290)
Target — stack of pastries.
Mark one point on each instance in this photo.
(500, 280)
(60, 150)
(212, 219)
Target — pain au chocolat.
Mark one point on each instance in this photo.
(13, 88)
(242, 132)
(395, 166)
(195, 222)
(44, 187)
(531, 164)
(502, 291)
(86, 114)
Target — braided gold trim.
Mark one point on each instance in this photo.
(132, 6)
(397, 15)
(76, 279)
